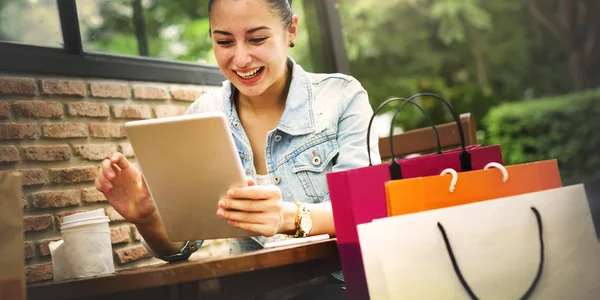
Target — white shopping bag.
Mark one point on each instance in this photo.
(497, 247)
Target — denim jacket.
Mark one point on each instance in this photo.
(323, 129)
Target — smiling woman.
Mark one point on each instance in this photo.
(290, 127)
(251, 54)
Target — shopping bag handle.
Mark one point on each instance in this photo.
(437, 138)
(465, 156)
(464, 283)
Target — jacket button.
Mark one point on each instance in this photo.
(236, 124)
(316, 160)
(277, 138)
(276, 179)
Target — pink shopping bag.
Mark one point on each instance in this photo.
(358, 195)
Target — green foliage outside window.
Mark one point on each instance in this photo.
(476, 54)
(175, 29)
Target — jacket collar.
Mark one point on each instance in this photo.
(298, 105)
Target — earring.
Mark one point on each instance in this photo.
(292, 45)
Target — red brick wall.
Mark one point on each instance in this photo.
(56, 131)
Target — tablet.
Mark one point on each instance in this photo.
(189, 162)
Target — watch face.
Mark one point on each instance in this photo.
(306, 223)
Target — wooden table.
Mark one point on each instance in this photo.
(230, 277)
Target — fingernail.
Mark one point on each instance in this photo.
(107, 186)
(230, 193)
(221, 203)
(111, 175)
(220, 213)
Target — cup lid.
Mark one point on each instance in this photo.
(84, 215)
(89, 221)
(84, 218)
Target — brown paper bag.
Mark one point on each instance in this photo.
(12, 267)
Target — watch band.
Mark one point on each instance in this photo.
(184, 253)
(303, 212)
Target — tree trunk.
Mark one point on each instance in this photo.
(480, 64)
(578, 39)
(578, 70)
(140, 28)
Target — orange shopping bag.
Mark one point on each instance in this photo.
(432, 192)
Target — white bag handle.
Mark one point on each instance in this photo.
(454, 177)
(499, 166)
(490, 165)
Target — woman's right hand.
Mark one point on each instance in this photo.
(125, 189)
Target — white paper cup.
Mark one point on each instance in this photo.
(87, 250)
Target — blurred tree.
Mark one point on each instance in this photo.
(3, 34)
(30, 22)
(577, 28)
(460, 22)
(171, 29)
(473, 53)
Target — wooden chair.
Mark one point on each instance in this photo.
(423, 140)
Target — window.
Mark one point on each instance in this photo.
(164, 29)
(33, 22)
(147, 40)
(105, 26)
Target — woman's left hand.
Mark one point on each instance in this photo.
(256, 208)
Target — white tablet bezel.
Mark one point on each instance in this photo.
(189, 162)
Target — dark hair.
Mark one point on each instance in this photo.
(282, 8)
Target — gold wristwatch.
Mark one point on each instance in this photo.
(303, 220)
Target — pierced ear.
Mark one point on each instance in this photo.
(293, 28)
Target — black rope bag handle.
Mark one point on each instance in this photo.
(464, 283)
(437, 137)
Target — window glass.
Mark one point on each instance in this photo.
(32, 22)
(106, 26)
(164, 29)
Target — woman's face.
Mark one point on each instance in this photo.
(251, 44)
